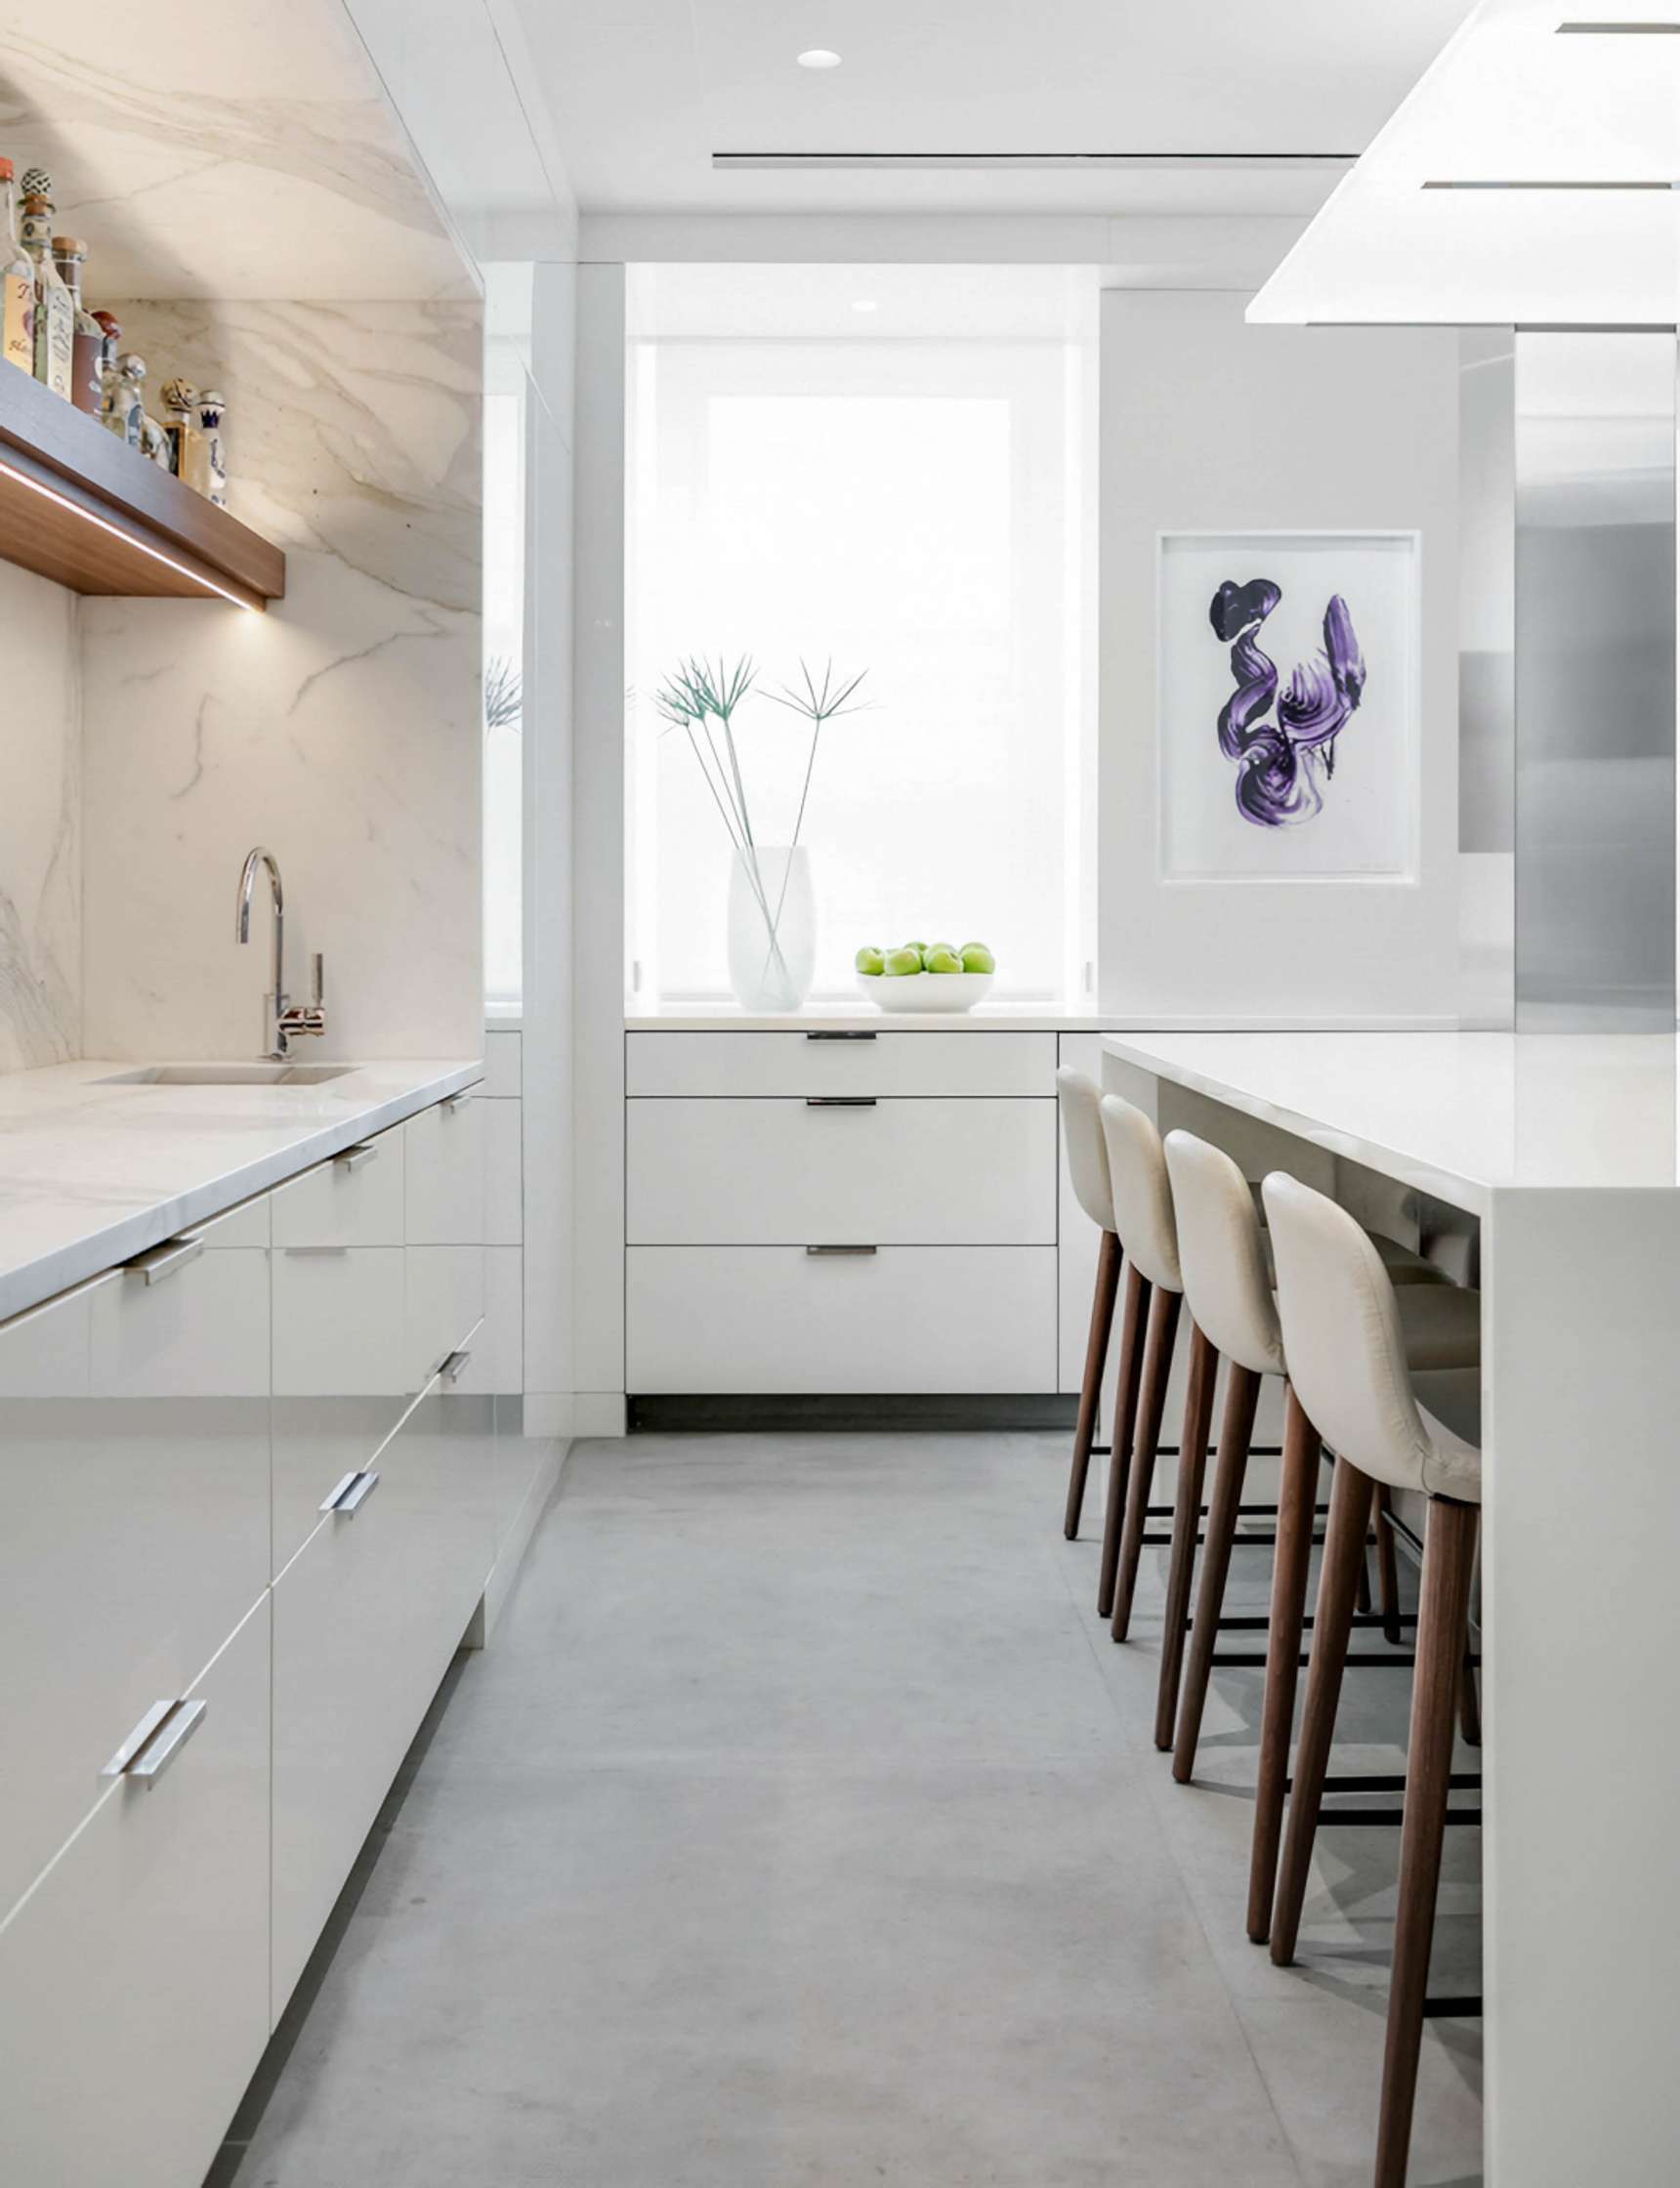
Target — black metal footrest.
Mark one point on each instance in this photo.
(1389, 1781)
(1254, 1660)
(1260, 1622)
(1389, 1819)
(1466, 2008)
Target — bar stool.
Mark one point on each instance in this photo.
(1079, 1099)
(1346, 1347)
(1226, 1264)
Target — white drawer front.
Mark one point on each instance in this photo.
(339, 1320)
(445, 1303)
(862, 1062)
(771, 1319)
(504, 1174)
(976, 1172)
(444, 1159)
(199, 1330)
(502, 1060)
(133, 1981)
(354, 1201)
(247, 1225)
(497, 1364)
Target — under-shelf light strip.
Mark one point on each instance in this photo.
(182, 569)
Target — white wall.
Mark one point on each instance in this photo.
(340, 729)
(1209, 425)
(40, 824)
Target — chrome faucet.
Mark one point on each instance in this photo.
(280, 1018)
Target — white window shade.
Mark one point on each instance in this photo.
(910, 507)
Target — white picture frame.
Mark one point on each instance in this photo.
(1294, 805)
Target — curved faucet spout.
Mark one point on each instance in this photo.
(247, 880)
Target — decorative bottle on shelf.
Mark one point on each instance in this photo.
(17, 280)
(55, 314)
(119, 409)
(180, 399)
(70, 255)
(211, 477)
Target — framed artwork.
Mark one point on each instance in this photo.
(1287, 691)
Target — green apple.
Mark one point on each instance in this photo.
(918, 947)
(943, 960)
(905, 960)
(869, 960)
(976, 959)
(932, 948)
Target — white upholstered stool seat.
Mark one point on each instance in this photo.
(1079, 1101)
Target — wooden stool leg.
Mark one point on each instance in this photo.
(1091, 1390)
(1186, 1526)
(1332, 1623)
(1361, 1578)
(1152, 1404)
(1387, 1567)
(1443, 1617)
(1230, 1471)
(1297, 1495)
(1134, 1312)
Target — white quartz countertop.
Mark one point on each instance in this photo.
(864, 1017)
(92, 1173)
(1461, 1116)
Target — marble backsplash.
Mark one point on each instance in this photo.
(40, 824)
(342, 729)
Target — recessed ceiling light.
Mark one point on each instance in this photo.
(865, 304)
(818, 56)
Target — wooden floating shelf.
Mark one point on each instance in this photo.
(81, 507)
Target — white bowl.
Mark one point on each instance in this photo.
(950, 991)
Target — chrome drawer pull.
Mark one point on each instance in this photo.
(163, 1261)
(840, 1037)
(840, 1101)
(156, 1742)
(452, 1368)
(353, 1493)
(455, 1102)
(352, 1158)
(825, 1252)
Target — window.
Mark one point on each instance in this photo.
(910, 499)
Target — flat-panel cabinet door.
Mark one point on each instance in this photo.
(134, 1978)
(340, 1375)
(444, 1158)
(134, 1487)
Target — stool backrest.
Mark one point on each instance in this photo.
(1342, 1335)
(1082, 1100)
(1143, 1192)
(1222, 1256)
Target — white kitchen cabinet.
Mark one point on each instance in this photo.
(771, 1319)
(772, 1172)
(504, 1174)
(133, 1480)
(366, 1617)
(134, 1997)
(1077, 1235)
(443, 1173)
(354, 1199)
(863, 1060)
(446, 1287)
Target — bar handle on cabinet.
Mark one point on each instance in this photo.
(353, 1493)
(156, 1742)
(352, 1158)
(456, 1102)
(819, 1253)
(840, 1101)
(165, 1260)
(840, 1037)
(454, 1365)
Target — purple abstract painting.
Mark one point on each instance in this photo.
(1283, 741)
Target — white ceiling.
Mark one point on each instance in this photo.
(643, 92)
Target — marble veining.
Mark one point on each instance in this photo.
(40, 826)
(92, 1174)
(245, 153)
(340, 729)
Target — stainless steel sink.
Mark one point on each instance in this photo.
(229, 1074)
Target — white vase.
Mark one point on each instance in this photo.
(772, 927)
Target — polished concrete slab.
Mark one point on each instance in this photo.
(802, 1825)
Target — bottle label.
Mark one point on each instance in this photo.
(56, 340)
(17, 339)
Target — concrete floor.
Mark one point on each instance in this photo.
(802, 1825)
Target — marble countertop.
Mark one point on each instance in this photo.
(1461, 1115)
(92, 1172)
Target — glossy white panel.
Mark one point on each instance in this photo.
(853, 1059)
(781, 1172)
(502, 1058)
(199, 1330)
(504, 1173)
(497, 1363)
(250, 1224)
(770, 1318)
(134, 1979)
(446, 1287)
(444, 1153)
(354, 1199)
